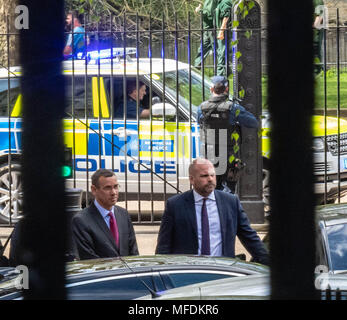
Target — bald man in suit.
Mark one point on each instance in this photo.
(205, 221)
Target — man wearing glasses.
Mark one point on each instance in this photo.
(103, 229)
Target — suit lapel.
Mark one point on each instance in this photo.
(100, 222)
(222, 211)
(191, 216)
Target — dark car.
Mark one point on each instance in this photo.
(332, 238)
(330, 273)
(136, 276)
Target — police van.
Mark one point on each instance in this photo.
(149, 156)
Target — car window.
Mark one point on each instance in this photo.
(115, 92)
(78, 97)
(124, 288)
(337, 235)
(180, 279)
(9, 92)
(189, 85)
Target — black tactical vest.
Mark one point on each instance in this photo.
(215, 114)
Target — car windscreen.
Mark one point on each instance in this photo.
(337, 239)
(188, 91)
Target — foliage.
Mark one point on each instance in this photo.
(150, 12)
(331, 87)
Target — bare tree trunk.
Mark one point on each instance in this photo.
(7, 11)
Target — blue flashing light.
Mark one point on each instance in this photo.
(149, 52)
(162, 52)
(176, 50)
(107, 53)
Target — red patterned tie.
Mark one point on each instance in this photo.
(114, 228)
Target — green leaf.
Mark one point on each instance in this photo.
(238, 54)
(235, 136)
(316, 60)
(237, 112)
(234, 43)
(236, 148)
(260, 133)
(245, 13)
(235, 24)
(239, 67)
(241, 95)
(231, 158)
(248, 34)
(251, 4)
(241, 5)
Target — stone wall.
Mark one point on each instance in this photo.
(332, 5)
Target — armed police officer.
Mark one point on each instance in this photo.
(221, 121)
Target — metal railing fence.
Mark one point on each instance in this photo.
(333, 294)
(151, 156)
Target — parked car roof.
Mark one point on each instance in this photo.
(160, 261)
(255, 287)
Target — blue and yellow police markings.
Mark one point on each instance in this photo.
(169, 143)
(131, 147)
(14, 145)
(75, 136)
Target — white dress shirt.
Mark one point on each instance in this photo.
(213, 221)
(104, 213)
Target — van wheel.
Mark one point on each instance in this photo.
(11, 210)
(266, 187)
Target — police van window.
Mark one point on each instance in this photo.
(75, 95)
(117, 93)
(13, 89)
(118, 96)
(195, 84)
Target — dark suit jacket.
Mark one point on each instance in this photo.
(178, 230)
(93, 238)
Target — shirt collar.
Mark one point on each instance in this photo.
(102, 210)
(198, 197)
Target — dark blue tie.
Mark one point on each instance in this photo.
(205, 230)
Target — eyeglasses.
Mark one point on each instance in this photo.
(108, 188)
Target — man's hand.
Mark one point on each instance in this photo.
(67, 50)
(222, 29)
(318, 22)
(198, 8)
